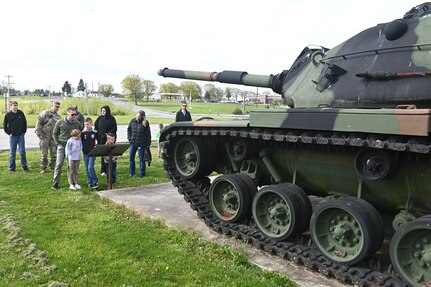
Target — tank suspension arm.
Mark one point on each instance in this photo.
(227, 77)
(385, 76)
(265, 155)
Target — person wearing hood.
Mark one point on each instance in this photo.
(139, 136)
(104, 125)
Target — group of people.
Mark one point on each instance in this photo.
(65, 138)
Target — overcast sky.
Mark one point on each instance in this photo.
(44, 42)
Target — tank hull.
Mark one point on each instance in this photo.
(325, 162)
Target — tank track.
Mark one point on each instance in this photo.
(301, 251)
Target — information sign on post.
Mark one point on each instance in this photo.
(109, 151)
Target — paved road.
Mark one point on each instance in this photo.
(160, 114)
(148, 112)
(164, 202)
(32, 141)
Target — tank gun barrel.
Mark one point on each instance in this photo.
(227, 77)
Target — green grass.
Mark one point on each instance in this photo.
(80, 239)
(197, 108)
(32, 106)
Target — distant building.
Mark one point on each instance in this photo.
(170, 96)
(78, 94)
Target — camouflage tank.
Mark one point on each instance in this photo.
(341, 180)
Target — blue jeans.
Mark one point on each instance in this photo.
(89, 168)
(142, 167)
(114, 172)
(13, 142)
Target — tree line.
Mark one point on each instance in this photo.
(137, 88)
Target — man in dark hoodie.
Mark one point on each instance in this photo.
(104, 125)
(15, 125)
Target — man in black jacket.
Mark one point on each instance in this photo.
(15, 125)
(183, 115)
(139, 136)
(104, 125)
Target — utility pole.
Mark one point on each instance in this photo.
(49, 92)
(7, 99)
(190, 99)
(86, 97)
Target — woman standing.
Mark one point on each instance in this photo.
(139, 136)
(104, 125)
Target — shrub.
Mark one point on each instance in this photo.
(237, 111)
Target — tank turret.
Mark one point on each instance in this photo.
(381, 67)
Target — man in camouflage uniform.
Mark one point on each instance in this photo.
(44, 128)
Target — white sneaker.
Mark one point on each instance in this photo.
(103, 174)
(77, 186)
(72, 187)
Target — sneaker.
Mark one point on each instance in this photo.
(72, 187)
(11, 169)
(130, 175)
(55, 186)
(42, 171)
(77, 186)
(96, 186)
(26, 169)
(103, 174)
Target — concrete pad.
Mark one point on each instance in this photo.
(162, 201)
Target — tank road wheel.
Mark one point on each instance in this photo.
(279, 212)
(410, 252)
(240, 149)
(373, 164)
(343, 231)
(378, 226)
(229, 198)
(188, 159)
(306, 204)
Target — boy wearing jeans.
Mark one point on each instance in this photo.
(89, 139)
(110, 139)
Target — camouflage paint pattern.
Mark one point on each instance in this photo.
(415, 122)
(374, 87)
(47, 145)
(377, 82)
(44, 129)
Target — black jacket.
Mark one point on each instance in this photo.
(183, 117)
(89, 139)
(15, 123)
(105, 124)
(138, 134)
